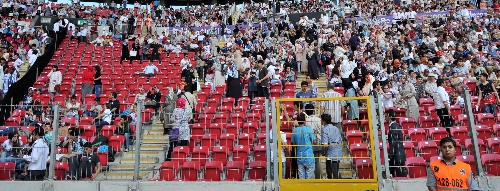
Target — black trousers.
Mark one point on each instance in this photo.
(396, 168)
(294, 170)
(80, 168)
(444, 116)
(263, 91)
(35, 175)
(332, 169)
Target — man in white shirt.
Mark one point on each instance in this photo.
(334, 107)
(38, 158)
(18, 63)
(83, 33)
(150, 69)
(56, 26)
(104, 118)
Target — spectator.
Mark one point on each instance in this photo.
(188, 75)
(442, 104)
(331, 107)
(397, 154)
(141, 96)
(332, 146)
(314, 122)
(88, 82)
(114, 104)
(407, 92)
(10, 77)
(47, 127)
(11, 150)
(150, 69)
(84, 165)
(104, 118)
(311, 87)
(97, 81)
(55, 79)
(352, 105)
(180, 118)
(263, 80)
(73, 108)
(28, 98)
(234, 82)
(123, 128)
(488, 94)
(154, 95)
(95, 109)
(304, 93)
(47, 115)
(37, 160)
(30, 118)
(304, 137)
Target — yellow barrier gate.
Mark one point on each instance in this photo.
(357, 165)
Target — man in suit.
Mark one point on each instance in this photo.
(397, 153)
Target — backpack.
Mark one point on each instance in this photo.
(124, 113)
(100, 140)
(111, 154)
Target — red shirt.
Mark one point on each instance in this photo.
(88, 77)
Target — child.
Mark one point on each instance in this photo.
(458, 99)
(335, 80)
(182, 84)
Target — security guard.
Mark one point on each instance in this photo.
(450, 173)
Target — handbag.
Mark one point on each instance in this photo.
(133, 53)
(57, 87)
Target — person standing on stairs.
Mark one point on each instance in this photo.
(314, 122)
(397, 154)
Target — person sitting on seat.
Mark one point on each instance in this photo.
(150, 70)
(104, 118)
(83, 167)
(73, 108)
(95, 109)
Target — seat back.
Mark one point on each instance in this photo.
(60, 170)
(235, 170)
(416, 167)
(190, 170)
(213, 170)
(364, 168)
(257, 170)
(169, 170)
(6, 170)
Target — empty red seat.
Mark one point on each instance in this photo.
(364, 168)
(259, 152)
(201, 154)
(190, 170)
(359, 150)
(220, 153)
(60, 170)
(491, 163)
(180, 154)
(88, 131)
(233, 128)
(459, 132)
(486, 119)
(235, 170)
(437, 133)
(427, 149)
(416, 167)
(213, 171)
(250, 127)
(462, 120)
(198, 129)
(208, 140)
(483, 132)
(246, 139)
(409, 149)
(116, 142)
(227, 140)
(221, 118)
(241, 153)
(216, 128)
(480, 144)
(257, 170)
(494, 145)
(354, 136)
(7, 170)
(427, 121)
(169, 170)
(417, 134)
(349, 125)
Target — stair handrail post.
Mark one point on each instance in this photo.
(138, 131)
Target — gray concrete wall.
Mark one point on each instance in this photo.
(487, 184)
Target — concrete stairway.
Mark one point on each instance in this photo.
(152, 155)
(23, 69)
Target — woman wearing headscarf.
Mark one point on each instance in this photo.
(352, 105)
(407, 92)
(180, 119)
(233, 82)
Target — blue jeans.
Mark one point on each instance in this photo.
(19, 162)
(97, 90)
(306, 170)
(28, 122)
(490, 108)
(90, 114)
(127, 140)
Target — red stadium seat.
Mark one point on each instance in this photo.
(354, 136)
(250, 128)
(494, 145)
(417, 134)
(491, 163)
(480, 144)
(88, 131)
(483, 132)
(259, 152)
(427, 121)
(116, 142)
(233, 128)
(220, 153)
(427, 149)
(416, 167)
(200, 154)
(409, 149)
(213, 171)
(180, 154)
(60, 170)
(235, 170)
(169, 170)
(349, 125)
(246, 139)
(486, 119)
(364, 168)
(7, 170)
(198, 129)
(359, 150)
(459, 132)
(227, 140)
(469, 159)
(208, 140)
(190, 170)
(437, 133)
(241, 153)
(257, 170)
(216, 128)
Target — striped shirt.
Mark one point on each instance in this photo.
(333, 107)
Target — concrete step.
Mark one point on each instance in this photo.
(154, 132)
(130, 167)
(155, 141)
(126, 175)
(153, 137)
(142, 160)
(131, 154)
(152, 147)
(157, 125)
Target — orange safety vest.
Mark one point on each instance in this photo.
(453, 177)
